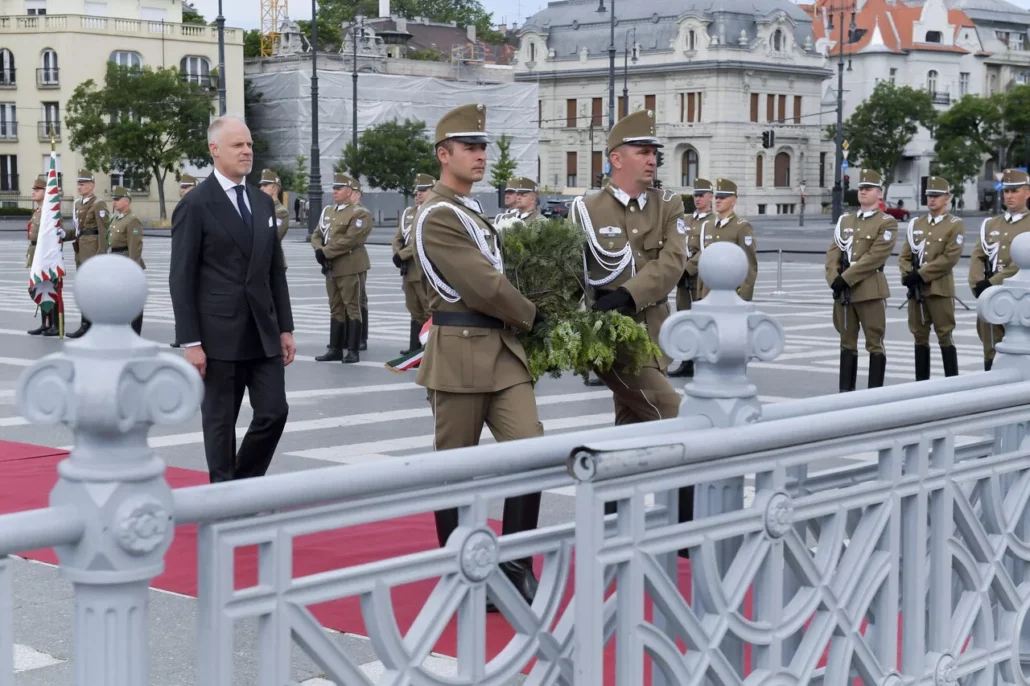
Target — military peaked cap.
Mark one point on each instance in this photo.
(40, 182)
(423, 182)
(870, 179)
(269, 176)
(702, 186)
(937, 185)
(466, 124)
(522, 184)
(86, 176)
(119, 192)
(186, 181)
(1014, 178)
(635, 129)
(725, 188)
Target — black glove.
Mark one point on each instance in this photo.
(981, 287)
(538, 319)
(397, 261)
(616, 300)
(839, 284)
(912, 279)
(320, 257)
(682, 283)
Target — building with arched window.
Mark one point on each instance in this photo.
(49, 47)
(717, 75)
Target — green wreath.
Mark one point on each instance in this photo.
(544, 261)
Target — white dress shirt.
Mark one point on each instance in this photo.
(229, 186)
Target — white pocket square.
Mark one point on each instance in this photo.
(270, 221)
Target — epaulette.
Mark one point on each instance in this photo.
(668, 195)
(954, 219)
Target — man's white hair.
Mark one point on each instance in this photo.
(216, 126)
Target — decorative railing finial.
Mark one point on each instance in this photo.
(722, 333)
(1008, 305)
(109, 387)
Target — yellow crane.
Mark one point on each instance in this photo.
(273, 14)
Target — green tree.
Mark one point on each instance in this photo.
(881, 126)
(190, 15)
(144, 122)
(300, 175)
(389, 156)
(1015, 110)
(330, 38)
(969, 132)
(462, 12)
(251, 101)
(252, 44)
(504, 168)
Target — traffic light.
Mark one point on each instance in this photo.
(657, 182)
(847, 183)
(661, 158)
(598, 180)
(768, 138)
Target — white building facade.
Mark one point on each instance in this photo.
(717, 75)
(49, 47)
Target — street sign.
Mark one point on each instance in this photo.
(845, 145)
(998, 176)
(844, 165)
(997, 185)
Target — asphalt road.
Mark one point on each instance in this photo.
(346, 414)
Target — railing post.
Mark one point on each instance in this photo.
(6, 624)
(109, 387)
(721, 333)
(779, 273)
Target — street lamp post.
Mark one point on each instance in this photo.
(354, 94)
(611, 65)
(220, 22)
(803, 188)
(838, 191)
(315, 178)
(625, 71)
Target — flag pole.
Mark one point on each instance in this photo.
(60, 281)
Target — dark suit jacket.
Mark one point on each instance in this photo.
(228, 280)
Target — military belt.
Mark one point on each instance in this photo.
(89, 232)
(601, 292)
(120, 251)
(474, 319)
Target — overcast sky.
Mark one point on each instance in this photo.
(246, 14)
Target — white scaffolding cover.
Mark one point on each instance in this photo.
(284, 116)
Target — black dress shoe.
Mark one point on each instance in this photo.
(520, 573)
(80, 332)
(686, 369)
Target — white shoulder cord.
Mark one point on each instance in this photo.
(990, 249)
(324, 224)
(441, 287)
(702, 239)
(919, 249)
(844, 245)
(613, 262)
(406, 224)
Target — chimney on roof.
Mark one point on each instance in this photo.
(470, 31)
(384, 8)
(401, 23)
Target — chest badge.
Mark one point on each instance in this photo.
(609, 231)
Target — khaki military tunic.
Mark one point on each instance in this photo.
(651, 229)
(689, 287)
(416, 298)
(733, 229)
(30, 253)
(873, 237)
(475, 372)
(344, 229)
(942, 239)
(126, 237)
(282, 222)
(91, 221)
(998, 232)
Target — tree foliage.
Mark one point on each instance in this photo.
(190, 15)
(144, 122)
(252, 44)
(389, 155)
(504, 168)
(300, 175)
(882, 125)
(969, 132)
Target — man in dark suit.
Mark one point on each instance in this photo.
(232, 306)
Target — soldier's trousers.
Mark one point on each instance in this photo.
(938, 310)
(416, 299)
(870, 315)
(30, 255)
(683, 299)
(346, 295)
(990, 335)
(510, 414)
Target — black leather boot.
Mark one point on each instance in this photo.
(922, 362)
(137, 324)
(848, 370)
(353, 341)
(42, 325)
(51, 322)
(686, 512)
(446, 523)
(521, 513)
(334, 353)
(686, 368)
(363, 343)
(949, 356)
(877, 369)
(81, 331)
(987, 365)
(413, 342)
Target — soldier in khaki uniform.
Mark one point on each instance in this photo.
(91, 222)
(186, 184)
(271, 186)
(636, 253)
(526, 199)
(126, 236)
(930, 252)
(689, 287)
(356, 194)
(474, 369)
(854, 270)
(416, 299)
(727, 227)
(48, 325)
(340, 248)
(991, 262)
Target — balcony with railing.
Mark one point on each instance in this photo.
(941, 98)
(8, 131)
(111, 26)
(208, 81)
(8, 183)
(45, 129)
(47, 77)
(7, 78)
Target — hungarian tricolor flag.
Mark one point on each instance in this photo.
(48, 263)
(412, 359)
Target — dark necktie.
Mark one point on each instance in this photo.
(242, 204)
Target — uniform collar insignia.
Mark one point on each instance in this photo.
(700, 215)
(1013, 218)
(341, 206)
(863, 214)
(470, 203)
(624, 197)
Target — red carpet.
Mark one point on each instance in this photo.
(28, 473)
